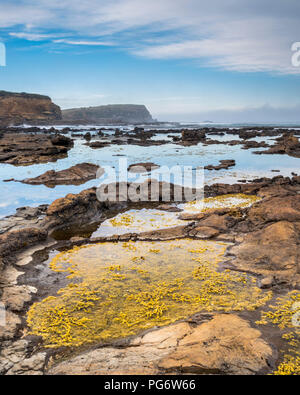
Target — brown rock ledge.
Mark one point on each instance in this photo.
(226, 344)
(75, 175)
(26, 149)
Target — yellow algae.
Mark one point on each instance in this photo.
(123, 288)
(285, 314)
(282, 313)
(123, 220)
(136, 221)
(232, 201)
(290, 367)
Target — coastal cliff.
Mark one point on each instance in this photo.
(114, 113)
(19, 108)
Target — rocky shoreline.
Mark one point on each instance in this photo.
(264, 241)
(261, 240)
(286, 141)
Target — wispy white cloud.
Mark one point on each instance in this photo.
(14, 13)
(234, 35)
(84, 42)
(33, 36)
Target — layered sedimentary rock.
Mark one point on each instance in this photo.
(24, 149)
(19, 108)
(75, 175)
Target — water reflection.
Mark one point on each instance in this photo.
(248, 166)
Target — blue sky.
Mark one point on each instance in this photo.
(184, 59)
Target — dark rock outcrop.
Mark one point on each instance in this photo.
(75, 175)
(98, 144)
(286, 144)
(18, 239)
(192, 135)
(25, 149)
(224, 164)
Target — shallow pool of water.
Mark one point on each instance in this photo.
(119, 289)
(137, 221)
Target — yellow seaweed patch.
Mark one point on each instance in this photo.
(290, 366)
(285, 314)
(136, 221)
(223, 201)
(123, 288)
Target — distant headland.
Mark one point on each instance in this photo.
(19, 108)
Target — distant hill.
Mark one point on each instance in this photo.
(18, 108)
(112, 113)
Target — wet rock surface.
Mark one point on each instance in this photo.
(25, 149)
(19, 239)
(98, 144)
(224, 164)
(142, 167)
(225, 344)
(192, 135)
(75, 175)
(286, 144)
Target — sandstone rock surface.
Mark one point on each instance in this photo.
(273, 250)
(224, 345)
